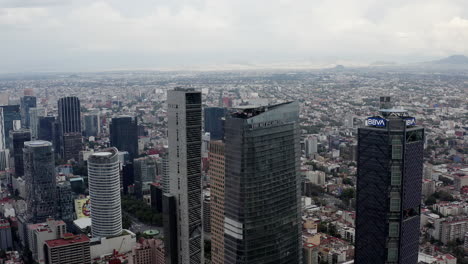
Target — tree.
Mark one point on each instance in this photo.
(430, 200)
(348, 181)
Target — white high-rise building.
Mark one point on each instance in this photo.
(311, 143)
(104, 191)
(185, 140)
(2, 130)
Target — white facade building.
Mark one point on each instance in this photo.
(104, 191)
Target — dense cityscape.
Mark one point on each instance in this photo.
(339, 165)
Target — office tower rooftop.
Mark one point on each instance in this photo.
(262, 185)
(390, 166)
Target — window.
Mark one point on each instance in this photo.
(396, 151)
(394, 229)
(395, 204)
(396, 175)
(392, 254)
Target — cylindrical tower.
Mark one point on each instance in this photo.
(104, 190)
(39, 176)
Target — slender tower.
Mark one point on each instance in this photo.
(104, 192)
(184, 134)
(390, 168)
(39, 176)
(69, 115)
(262, 206)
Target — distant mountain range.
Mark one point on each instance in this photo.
(454, 60)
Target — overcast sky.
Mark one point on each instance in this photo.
(68, 35)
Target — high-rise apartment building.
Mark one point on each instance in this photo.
(39, 176)
(124, 135)
(213, 120)
(389, 175)
(26, 102)
(216, 173)
(71, 249)
(69, 119)
(104, 192)
(262, 206)
(184, 133)
(17, 139)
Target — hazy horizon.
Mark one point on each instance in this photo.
(85, 35)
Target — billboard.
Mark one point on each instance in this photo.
(82, 208)
(376, 122)
(410, 121)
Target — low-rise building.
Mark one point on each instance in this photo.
(71, 249)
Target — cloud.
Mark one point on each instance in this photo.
(219, 31)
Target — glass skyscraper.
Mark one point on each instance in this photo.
(124, 135)
(39, 176)
(262, 185)
(390, 167)
(213, 120)
(69, 117)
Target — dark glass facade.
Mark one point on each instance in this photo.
(124, 135)
(214, 122)
(69, 117)
(390, 167)
(262, 186)
(10, 114)
(26, 102)
(17, 139)
(39, 176)
(91, 125)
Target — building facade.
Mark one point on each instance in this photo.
(17, 139)
(91, 125)
(216, 173)
(213, 120)
(124, 135)
(184, 134)
(6, 240)
(11, 113)
(389, 176)
(26, 102)
(71, 249)
(34, 115)
(69, 120)
(104, 192)
(262, 221)
(39, 176)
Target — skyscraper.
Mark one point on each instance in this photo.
(124, 135)
(26, 102)
(17, 139)
(390, 167)
(11, 113)
(262, 206)
(184, 133)
(104, 192)
(145, 173)
(34, 115)
(69, 118)
(39, 176)
(216, 173)
(91, 125)
(213, 120)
